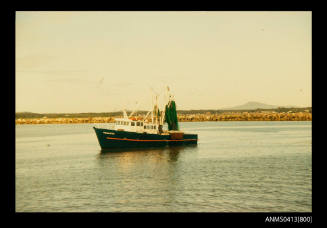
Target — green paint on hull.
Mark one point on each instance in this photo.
(112, 139)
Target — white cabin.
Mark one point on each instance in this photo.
(125, 124)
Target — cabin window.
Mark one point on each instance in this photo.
(154, 127)
(144, 127)
(133, 123)
(141, 123)
(138, 123)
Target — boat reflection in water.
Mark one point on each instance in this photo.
(148, 149)
(131, 158)
(135, 153)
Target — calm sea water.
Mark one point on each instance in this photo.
(236, 167)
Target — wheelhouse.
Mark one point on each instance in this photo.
(123, 124)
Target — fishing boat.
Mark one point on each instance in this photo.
(133, 132)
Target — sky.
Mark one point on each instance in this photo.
(104, 61)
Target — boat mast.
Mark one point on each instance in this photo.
(164, 108)
(125, 114)
(152, 112)
(156, 109)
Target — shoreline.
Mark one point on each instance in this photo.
(244, 116)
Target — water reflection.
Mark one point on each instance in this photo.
(125, 158)
(139, 174)
(170, 154)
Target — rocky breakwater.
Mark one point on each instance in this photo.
(228, 116)
(64, 120)
(247, 116)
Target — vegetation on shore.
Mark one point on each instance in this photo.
(280, 114)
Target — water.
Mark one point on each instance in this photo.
(236, 167)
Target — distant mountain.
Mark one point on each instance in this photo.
(252, 105)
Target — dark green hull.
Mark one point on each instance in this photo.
(112, 139)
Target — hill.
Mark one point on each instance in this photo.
(256, 105)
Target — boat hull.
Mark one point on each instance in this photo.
(113, 139)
